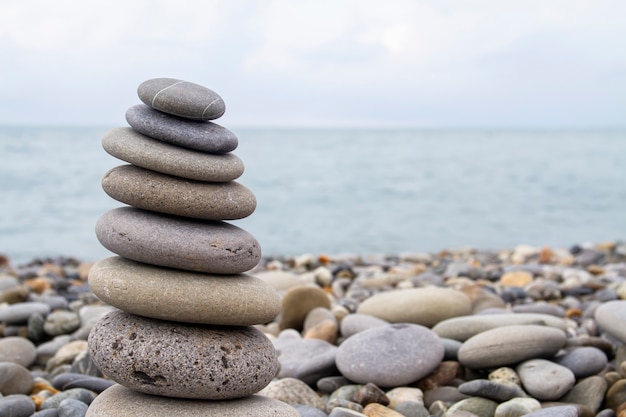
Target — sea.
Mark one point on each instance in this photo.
(343, 191)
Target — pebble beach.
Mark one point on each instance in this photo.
(535, 331)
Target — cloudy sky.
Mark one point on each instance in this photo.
(438, 63)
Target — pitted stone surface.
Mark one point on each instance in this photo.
(188, 244)
(119, 401)
(201, 136)
(163, 193)
(131, 146)
(510, 345)
(181, 98)
(182, 360)
(192, 297)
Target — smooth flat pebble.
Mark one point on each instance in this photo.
(17, 350)
(175, 242)
(297, 302)
(119, 401)
(181, 98)
(21, 312)
(14, 379)
(492, 390)
(17, 405)
(583, 361)
(544, 379)
(387, 357)
(424, 306)
(138, 149)
(558, 411)
(183, 296)
(510, 345)
(182, 360)
(309, 360)
(70, 380)
(517, 407)
(611, 318)
(355, 323)
(163, 193)
(462, 328)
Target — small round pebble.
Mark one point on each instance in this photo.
(386, 355)
(545, 380)
(17, 350)
(14, 379)
(583, 361)
(293, 391)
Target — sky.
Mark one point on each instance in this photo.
(322, 63)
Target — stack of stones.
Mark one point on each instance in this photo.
(184, 331)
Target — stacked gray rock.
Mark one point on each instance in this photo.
(184, 329)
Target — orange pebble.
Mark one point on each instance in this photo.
(324, 259)
(573, 312)
(39, 284)
(545, 255)
(42, 386)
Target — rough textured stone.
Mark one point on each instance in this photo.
(119, 401)
(189, 244)
(387, 357)
(187, 361)
(424, 306)
(181, 98)
(298, 302)
(462, 328)
(509, 345)
(164, 193)
(131, 146)
(293, 391)
(545, 380)
(14, 379)
(183, 296)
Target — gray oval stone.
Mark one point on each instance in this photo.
(131, 146)
(462, 328)
(492, 390)
(182, 360)
(164, 193)
(17, 405)
(14, 379)
(181, 98)
(583, 361)
(189, 244)
(20, 313)
(305, 359)
(200, 136)
(17, 350)
(119, 401)
(150, 291)
(545, 380)
(424, 306)
(61, 322)
(72, 408)
(509, 345)
(386, 355)
(611, 318)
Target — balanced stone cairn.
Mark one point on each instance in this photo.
(184, 329)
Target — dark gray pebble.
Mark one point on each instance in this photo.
(492, 390)
(583, 361)
(17, 405)
(67, 381)
(329, 384)
(79, 394)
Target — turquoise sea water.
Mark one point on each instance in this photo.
(344, 191)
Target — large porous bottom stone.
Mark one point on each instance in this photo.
(182, 360)
(119, 401)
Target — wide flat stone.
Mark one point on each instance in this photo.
(462, 328)
(423, 306)
(131, 146)
(176, 242)
(181, 98)
(164, 193)
(510, 345)
(387, 357)
(182, 360)
(201, 136)
(119, 401)
(184, 296)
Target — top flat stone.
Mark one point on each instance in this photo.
(192, 134)
(181, 98)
